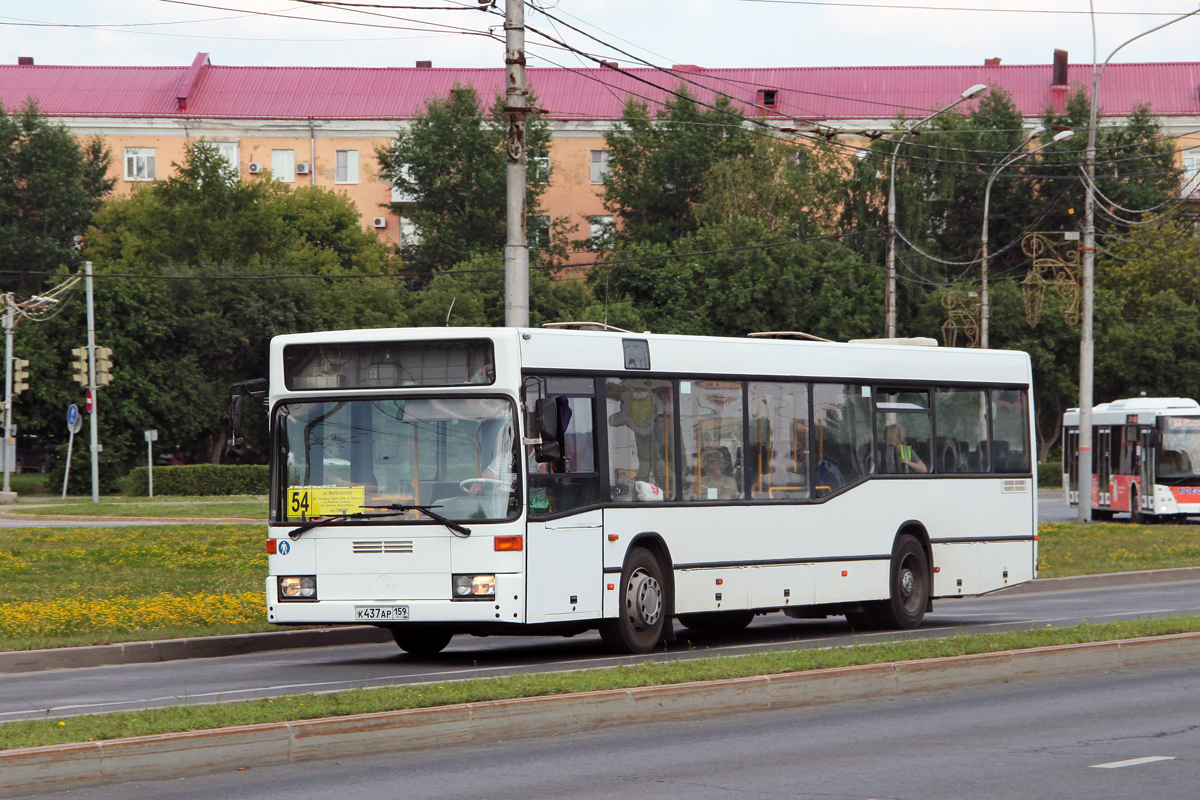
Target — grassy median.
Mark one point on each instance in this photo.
(249, 507)
(33, 733)
(75, 586)
(78, 586)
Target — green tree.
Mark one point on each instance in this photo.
(658, 167)
(452, 161)
(50, 186)
(188, 296)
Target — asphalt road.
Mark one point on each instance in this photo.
(1125, 734)
(75, 691)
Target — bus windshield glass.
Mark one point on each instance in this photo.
(457, 455)
(1179, 455)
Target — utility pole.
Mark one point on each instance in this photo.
(91, 346)
(10, 435)
(516, 248)
(1087, 344)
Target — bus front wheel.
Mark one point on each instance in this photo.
(428, 642)
(909, 595)
(642, 614)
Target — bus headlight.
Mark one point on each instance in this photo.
(298, 587)
(474, 587)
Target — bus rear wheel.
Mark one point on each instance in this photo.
(643, 598)
(909, 594)
(427, 642)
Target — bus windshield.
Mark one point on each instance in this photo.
(457, 455)
(1179, 456)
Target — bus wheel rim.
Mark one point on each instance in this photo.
(644, 600)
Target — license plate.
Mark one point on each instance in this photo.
(380, 613)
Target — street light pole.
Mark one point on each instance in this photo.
(889, 292)
(1086, 339)
(1010, 159)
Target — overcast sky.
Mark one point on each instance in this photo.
(711, 33)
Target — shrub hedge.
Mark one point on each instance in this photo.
(1049, 475)
(200, 479)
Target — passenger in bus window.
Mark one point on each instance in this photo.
(898, 456)
(716, 483)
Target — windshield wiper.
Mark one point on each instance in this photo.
(394, 510)
(400, 508)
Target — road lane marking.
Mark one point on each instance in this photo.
(1132, 762)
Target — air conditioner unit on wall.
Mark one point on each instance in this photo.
(302, 168)
(254, 167)
(381, 222)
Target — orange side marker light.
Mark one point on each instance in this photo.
(508, 543)
(272, 546)
(612, 537)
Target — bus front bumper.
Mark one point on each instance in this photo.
(508, 606)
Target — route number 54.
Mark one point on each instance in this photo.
(300, 503)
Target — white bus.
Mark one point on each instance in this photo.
(436, 481)
(1146, 458)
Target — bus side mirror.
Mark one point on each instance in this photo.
(546, 418)
(236, 444)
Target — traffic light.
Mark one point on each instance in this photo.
(103, 366)
(20, 375)
(80, 365)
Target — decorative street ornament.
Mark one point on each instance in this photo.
(962, 310)
(1055, 268)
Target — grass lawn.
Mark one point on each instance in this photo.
(1072, 549)
(32, 733)
(241, 506)
(75, 586)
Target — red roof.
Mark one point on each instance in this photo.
(819, 93)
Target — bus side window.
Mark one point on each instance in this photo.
(842, 442)
(710, 416)
(572, 481)
(1010, 431)
(777, 453)
(962, 424)
(640, 415)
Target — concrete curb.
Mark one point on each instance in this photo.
(1112, 579)
(243, 644)
(15, 661)
(74, 766)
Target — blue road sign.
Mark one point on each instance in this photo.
(73, 420)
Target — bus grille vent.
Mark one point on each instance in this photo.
(1015, 486)
(367, 548)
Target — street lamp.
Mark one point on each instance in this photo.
(1010, 159)
(1087, 353)
(889, 294)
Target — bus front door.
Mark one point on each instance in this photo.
(1146, 484)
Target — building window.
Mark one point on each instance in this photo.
(346, 167)
(537, 231)
(767, 98)
(283, 165)
(139, 163)
(410, 236)
(599, 165)
(600, 229)
(401, 194)
(538, 170)
(229, 152)
(1191, 174)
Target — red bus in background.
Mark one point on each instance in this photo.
(1146, 458)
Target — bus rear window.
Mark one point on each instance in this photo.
(388, 365)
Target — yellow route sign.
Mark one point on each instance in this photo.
(306, 502)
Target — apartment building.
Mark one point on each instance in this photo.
(320, 125)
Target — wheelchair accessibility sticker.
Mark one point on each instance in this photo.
(285, 548)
